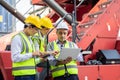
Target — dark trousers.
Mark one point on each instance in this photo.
(31, 77)
(70, 77)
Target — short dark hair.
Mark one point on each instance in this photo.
(42, 26)
(29, 24)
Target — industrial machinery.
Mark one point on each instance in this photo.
(94, 27)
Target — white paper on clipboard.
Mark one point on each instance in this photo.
(69, 52)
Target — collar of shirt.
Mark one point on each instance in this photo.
(58, 42)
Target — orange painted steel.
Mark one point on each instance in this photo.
(104, 31)
(100, 25)
(99, 72)
(6, 40)
(109, 72)
(6, 65)
(40, 2)
(86, 72)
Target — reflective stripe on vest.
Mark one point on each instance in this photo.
(60, 69)
(40, 40)
(25, 67)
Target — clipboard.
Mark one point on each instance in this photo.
(69, 52)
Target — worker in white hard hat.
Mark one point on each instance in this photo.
(23, 51)
(62, 31)
(63, 69)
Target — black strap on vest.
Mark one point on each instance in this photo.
(48, 66)
(66, 72)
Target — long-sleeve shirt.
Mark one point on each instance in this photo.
(17, 48)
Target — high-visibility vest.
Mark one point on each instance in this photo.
(60, 69)
(40, 40)
(25, 67)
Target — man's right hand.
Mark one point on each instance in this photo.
(37, 53)
(62, 62)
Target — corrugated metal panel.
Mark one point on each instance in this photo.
(6, 19)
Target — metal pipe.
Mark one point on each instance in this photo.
(12, 10)
(59, 10)
(74, 32)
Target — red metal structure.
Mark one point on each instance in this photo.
(97, 29)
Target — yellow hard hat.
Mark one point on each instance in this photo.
(34, 20)
(46, 22)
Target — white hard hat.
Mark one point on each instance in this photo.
(62, 25)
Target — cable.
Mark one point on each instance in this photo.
(80, 3)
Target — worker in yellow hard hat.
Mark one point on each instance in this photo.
(34, 20)
(45, 26)
(46, 22)
(23, 52)
(40, 41)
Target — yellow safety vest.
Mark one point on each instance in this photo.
(60, 70)
(26, 67)
(40, 40)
